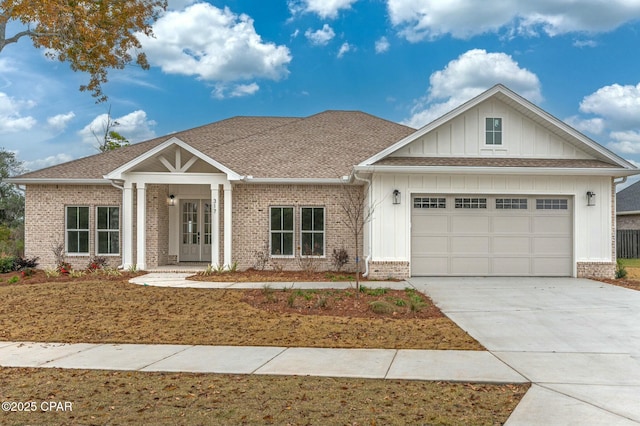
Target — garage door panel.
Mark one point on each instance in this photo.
(526, 238)
(511, 265)
(511, 225)
(432, 245)
(469, 224)
(470, 244)
(470, 265)
(551, 225)
(511, 245)
(551, 245)
(431, 265)
(427, 224)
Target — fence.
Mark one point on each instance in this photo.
(628, 243)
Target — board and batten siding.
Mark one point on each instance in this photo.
(391, 225)
(463, 136)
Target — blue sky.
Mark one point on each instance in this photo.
(407, 61)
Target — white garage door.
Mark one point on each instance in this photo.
(491, 235)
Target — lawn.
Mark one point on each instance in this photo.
(95, 309)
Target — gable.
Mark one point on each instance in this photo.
(465, 136)
(526, 132)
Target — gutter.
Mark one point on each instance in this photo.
(292, 181)
(467, 170)
(44, 181)
(368, 258)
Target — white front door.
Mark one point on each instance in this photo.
(195, 231)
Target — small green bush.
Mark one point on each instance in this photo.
(621, 271)
(382, 307)
(7, 264)
(13, 279)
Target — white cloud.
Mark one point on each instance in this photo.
(429, 19)
(585, 43)
(619, 105)
(466, 77)
(133, 126)
(382, 45)
(223, 91)
(323, 8)
(59, 122)
(589, 125)
(48, 162)
(322, 36)
(11, 118)
(215, 45)
(344, 49)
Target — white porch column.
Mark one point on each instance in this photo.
(227, 224)
(127, 225)
(215, 226)
(141, 225)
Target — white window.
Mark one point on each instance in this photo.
(511, 204)
(312, 231)
(471, 203)
(281, 231)
(429, 203)
(108, 230)
(493, 131)
(77, 230)
(551, 204)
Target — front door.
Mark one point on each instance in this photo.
(196, 233)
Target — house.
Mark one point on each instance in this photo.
(495, 187)
(628, 207)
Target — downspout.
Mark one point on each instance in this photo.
(368, 259)
(121, 188)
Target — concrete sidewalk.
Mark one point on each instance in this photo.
(454, 366)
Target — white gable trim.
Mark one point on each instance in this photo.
(535, 110)
(118, 173)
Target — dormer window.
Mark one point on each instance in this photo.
(493, 131)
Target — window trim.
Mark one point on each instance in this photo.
(485, 130)
(67, 230)
(323, 232)
(108, 230)
(292, 232)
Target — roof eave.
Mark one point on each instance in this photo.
(294, 181)
(56, 181)
(576, 171)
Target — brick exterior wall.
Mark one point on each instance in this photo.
(386, 270)
(251, 212)
(45, 219)
(157, 213)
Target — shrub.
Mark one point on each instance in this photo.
(22, 263)
(13, 279)
(97, 262)
(621, 271)
(262, 257)
(6, 263)
(339, 258)
(382, 307)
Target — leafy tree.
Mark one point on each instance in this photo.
(11, 205)
(92, 35)
(110, 139)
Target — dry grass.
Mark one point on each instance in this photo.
(100, 397)
(119, 312)
(111, 310)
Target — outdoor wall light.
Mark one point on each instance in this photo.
(396, 196)
(171, 201)
(591, 198)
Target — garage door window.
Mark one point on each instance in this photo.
(471, 203)
(511, 203)
(551, 204)
(429, 203)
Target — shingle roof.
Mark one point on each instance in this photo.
(325, 145)
(493, 162)
(628, 199)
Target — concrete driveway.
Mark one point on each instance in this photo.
(576, 340)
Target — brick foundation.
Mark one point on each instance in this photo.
(386, 270)
(596, 269)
